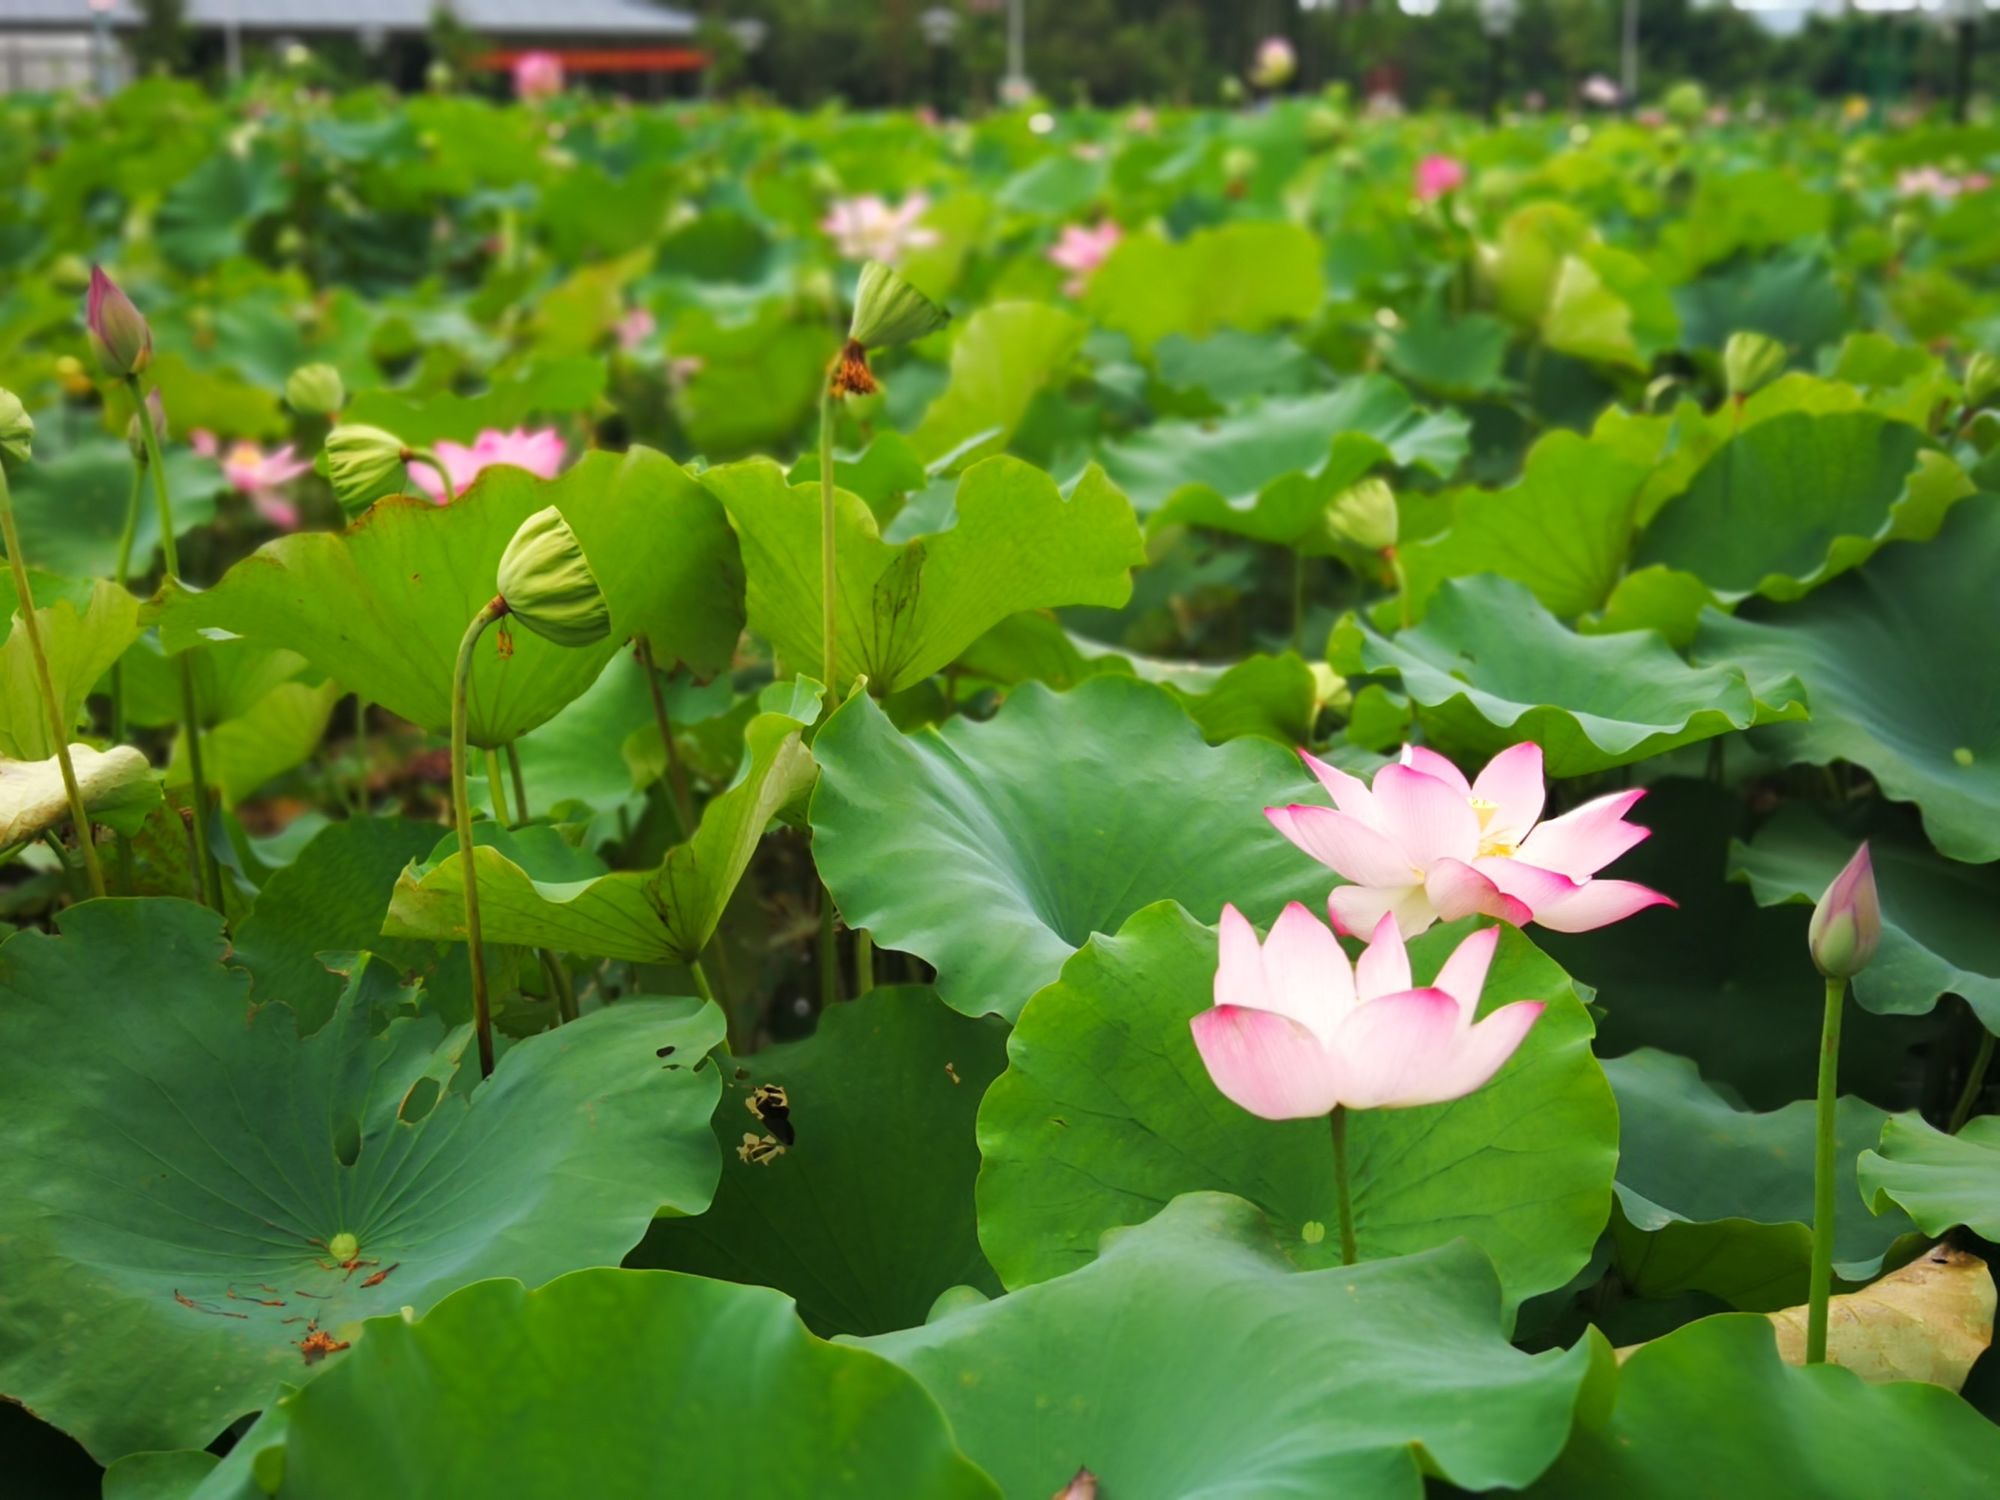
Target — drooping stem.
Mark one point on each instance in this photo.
(828, 575)
(461, 811)
(677, 779)
(864, 961)
(520, 783)
(430, 461)
(497, 792)
(1823, 1162)
(1974, 1082)
(58, 727)
(1343, 1200)
(707, 992)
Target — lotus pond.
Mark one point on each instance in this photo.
(696, 801)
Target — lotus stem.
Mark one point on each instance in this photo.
(360, 754)
(1974, 1082)
(496, 790)
(829, 951)
(1823, 1161)
(829, 582)
(430, 461)
(677, 779)
(520, 782)
(120, 571)
(1299, 602)
(864, 961)
(562, 990)
(461, 811)
(1343, 1200)
(58, 729)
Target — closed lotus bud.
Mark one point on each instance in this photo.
(887, 310)
(1365, 514)
(315, 391)
(1847, 923)
(1982, 378)
(118, 331)
(548, 585)
(362, 464)
(1751, 361)
(17, 432)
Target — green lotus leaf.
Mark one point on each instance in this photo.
(1247, 275)
(231, 677)
(1940, 1180)
(1057, 818)
(643, 915)
(1719, 1199)
(1390, 1371)
(1000, 359)
(81, 644)
(1488, 667)
(117, 786)
(71, 507)
(1711, 1409)
(1459, 356)
(1608, 306)
(732, 1394)
(203, 217)
(908, 609)
(171, 1475)
(1105, 1112)
(1938, 936)
(514, 393)
(176, 1168)
(882, 1098)
(275, 734)
(1878, 653)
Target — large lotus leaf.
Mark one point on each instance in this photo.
(1564, 528)
(1711, 1409)
(1105, 1112)
(172, 1475)
(1893, 689)
(994, 850)
(868, 1215)
(275, 734)
(175, 1166)
(1192, 1359)
(117, 786)
(643, 915)
(382, 606)
(1271, 471)
(530, 388)
(1938, 934)
(1488, 667)
(72, 507)
(1940, 1180)
(1607, 305)
(231, 676)
(1248, 275)
(1791, 502)
(80, 644)
(1719, 1199)
(1000, 359)
(907, 609)
(603, 1383)
(203, 217)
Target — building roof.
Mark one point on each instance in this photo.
(490, 18)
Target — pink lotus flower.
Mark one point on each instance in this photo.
(635, 328)
(867, 228)
(1296, 1030)
(1438, 175)
(259, 475)
(1080, 250)
(537, 75)
(1425, 845)
(538, 450)
(1276, 63)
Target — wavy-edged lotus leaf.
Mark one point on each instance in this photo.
(1711, 1409)
(274, 735)
(1609, 306)
(1489, 667)
(1353, 1381)
(668, 913)
(1272, 470)
(1003, 355)
(1879, 653)
(1250, 275)
(80, 644)
(1938, 935)
(882, 1098)
(1719, 1199)
(176, 1168)
(117, 786)
(907, 609)
(1106, 1112)
(1791, 502)
(71, 507)
(1057, 818)
(515, 392)
(1939, 1180)
(538, 1395)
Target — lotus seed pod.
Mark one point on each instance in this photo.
(315, 391)
(362, 464)
(119, 333)
(1847, 922)
(1365, 514)
(548, 585)
(888, 310)
(17, 432)
(343, 1247)
(1751, 361)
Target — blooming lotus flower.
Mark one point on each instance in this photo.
(1423, 845)
(1438, 175)
(1600, 92)
(538, 450)
(1275, 65)
(258, 475)
(635, 328)
(1297, 1031)
(1080, 250)
(537, 75)
(867, 228)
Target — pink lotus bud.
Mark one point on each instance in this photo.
(118, 331)
(1438, 175)
(1847, 923)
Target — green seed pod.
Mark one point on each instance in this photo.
(888, 310)
(1751, 361)
(343, 1247)
(548, 585)
(1364, 514)
(17, 432)
(363, 464)
(315, 391)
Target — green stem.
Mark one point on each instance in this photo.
(430, 461)
(520, 783)
(864, 961)
(120, 571)
(828, 581)
(496, 791)
(564, 991)
(1823, 1161)
(1402, 586)
(1343, 1200)
(1974, 1082)
(360, 754)
(461, 811)
(677, 778)
(50, 838)
(1299, 602)
(829, 952)
(58, 729)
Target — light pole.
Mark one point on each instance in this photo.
(1628, 55)
(748, 34)
(1496, 19)
(939, 26)
(100, 45)
(1015, 88)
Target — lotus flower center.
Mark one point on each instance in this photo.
(1489, 848)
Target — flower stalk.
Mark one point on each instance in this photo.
(1821, 1288)
(461, 810)
(1343, 1197)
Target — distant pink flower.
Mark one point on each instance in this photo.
(1142, 121)
(1438, 175)
(537, 75)
(635, 328)
(1275, 65)
(259, 475)
(1080, 250)
(1297, 1031)
(538, 450)
(1425, 845)
(1930, 182)
(203, 442)
(867, 228)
